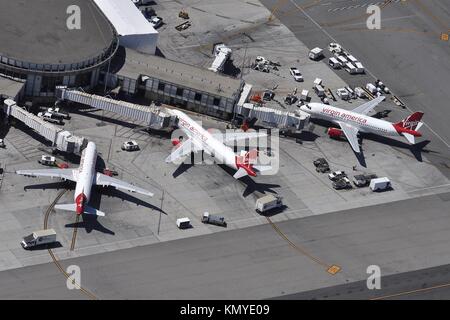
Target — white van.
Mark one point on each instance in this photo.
(380, 184)
(183, 223)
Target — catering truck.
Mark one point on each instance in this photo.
(380, 184)
(268, 202)
(39, 238)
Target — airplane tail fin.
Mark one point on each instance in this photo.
(245, 164)
(409, 127)
(73, 207)
(412, 122)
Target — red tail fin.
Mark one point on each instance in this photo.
(411, 121)
(246, 162)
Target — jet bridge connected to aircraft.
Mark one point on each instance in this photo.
(61, 139)
(274, 118)
(153, 116)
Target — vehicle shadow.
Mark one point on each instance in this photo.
(47, 246)
(273, 212)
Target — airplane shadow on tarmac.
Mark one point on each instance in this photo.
(250, 185)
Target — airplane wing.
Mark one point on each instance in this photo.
(107, 181)
(236, 136)
(185, 148)
(366, 107)
(352, 135)
(66, 174)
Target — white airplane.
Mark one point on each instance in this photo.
(200, 139)
(356, 120)
(85, 176)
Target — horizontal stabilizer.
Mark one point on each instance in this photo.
(409, 137)
(262, 168)
(73, 207)
(240, 173)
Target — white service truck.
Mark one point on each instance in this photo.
(380, 184)
(213, 219)
(267, 203)
(38, 238)
(183, 223)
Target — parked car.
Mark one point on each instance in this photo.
(47, 161)
(335, 175)
(155, 21)
(319, 161)
(296, 74)
(130, 146)
(363, 180)
(342, 183)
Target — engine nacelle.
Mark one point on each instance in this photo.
(335, 133)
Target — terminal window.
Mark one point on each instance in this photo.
(180, 92)
(198, 97)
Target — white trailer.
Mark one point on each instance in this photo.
(267, 203)
(38, 238)
(359, 67)
(320, 91)
(334, 63)
(380, 184)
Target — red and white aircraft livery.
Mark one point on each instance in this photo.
(356, 120)
(213, 144)
(85, 176)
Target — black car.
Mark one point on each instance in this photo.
(323, 168)
(342, 183)
(320, 161)
(363, 180)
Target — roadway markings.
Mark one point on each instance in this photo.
(445, 285)
(52, 255)
(381, 4)
(331, 269)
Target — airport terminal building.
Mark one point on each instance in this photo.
(50, 55)
(114, 42)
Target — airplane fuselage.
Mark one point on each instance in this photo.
(221, 152)
(86, 176)
(362, 122)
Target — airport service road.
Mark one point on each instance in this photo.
(256, 262)
(406, 54)
(425, 284)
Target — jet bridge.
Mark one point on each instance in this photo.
(61, 139)
(153, 116)
(273, 118)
